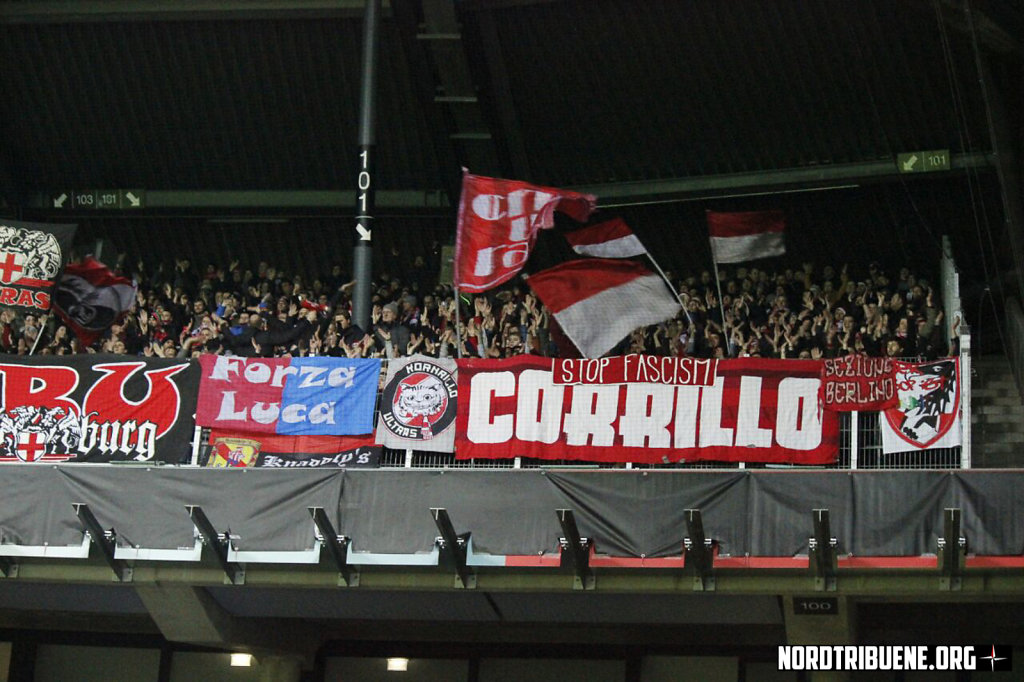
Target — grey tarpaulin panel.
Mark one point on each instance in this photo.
(992, 505)
(898, 513)
(35, 507)
(508, 512)
(266, 509)
(781, 506)
(629, 513)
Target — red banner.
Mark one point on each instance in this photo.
(628, 369)
(755, 411)
(498, 223)
(857, 382)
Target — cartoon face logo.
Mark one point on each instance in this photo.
(420, 398)
(420, 401)
(28, 253)
(929, 401)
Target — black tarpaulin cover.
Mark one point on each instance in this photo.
(627, 513)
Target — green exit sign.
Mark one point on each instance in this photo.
(102, 199)
(923, 162)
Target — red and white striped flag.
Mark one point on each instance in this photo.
(598, 302)
(738, 237)
(610, 239)
(498, 224)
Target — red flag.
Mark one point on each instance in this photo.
(598, 302)
(498, 223)
(610, 239)
(90, 298)
(738, 237)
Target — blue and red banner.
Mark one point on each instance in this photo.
(288, 396)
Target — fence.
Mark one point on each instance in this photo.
(860, 446)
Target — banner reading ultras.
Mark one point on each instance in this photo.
(288, 396)
(754, 410)
(31, 258)
(96, 408)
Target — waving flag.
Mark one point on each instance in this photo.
(738, 237)
(90, 298)
(598, 302)
(610, 239)
(498, 223)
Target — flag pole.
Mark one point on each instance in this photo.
(671, 288)
(458, 321)
(721, 305)
(39, 333)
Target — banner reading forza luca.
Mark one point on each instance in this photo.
(96, 408)
(755, 411)
(289, 396)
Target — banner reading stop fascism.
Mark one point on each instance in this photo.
(755, 410)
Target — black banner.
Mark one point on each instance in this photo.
(96, 408)
(32, 256)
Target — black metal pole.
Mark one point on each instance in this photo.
(362, 252)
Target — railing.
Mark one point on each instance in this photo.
(860, 446)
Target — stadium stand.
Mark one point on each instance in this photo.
(267, 424)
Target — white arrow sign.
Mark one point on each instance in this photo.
(58, 202)
(364, 234)
(908, 165)
(132, 199)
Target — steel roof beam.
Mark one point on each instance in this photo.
(343, 200)
(764, 182)
(78, 11)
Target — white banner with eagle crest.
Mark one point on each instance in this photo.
(928, 415)
(417, 408)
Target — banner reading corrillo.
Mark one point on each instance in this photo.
(417, 409)
(928, 414)
(290, 396)
(755, 411)
(96, 408)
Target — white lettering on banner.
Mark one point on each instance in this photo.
(635, 368)
(798, 424)
(648, 413)
(687, 402)
(590, 418)
(225, 367)
(748, 433)
(653, 415)
(485, 427)
(539, 410)
(712, 432)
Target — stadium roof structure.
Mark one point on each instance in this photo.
(250, 107)
(247, 111)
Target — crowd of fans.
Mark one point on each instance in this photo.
(808, 312)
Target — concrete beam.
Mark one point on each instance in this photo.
(186, 613)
